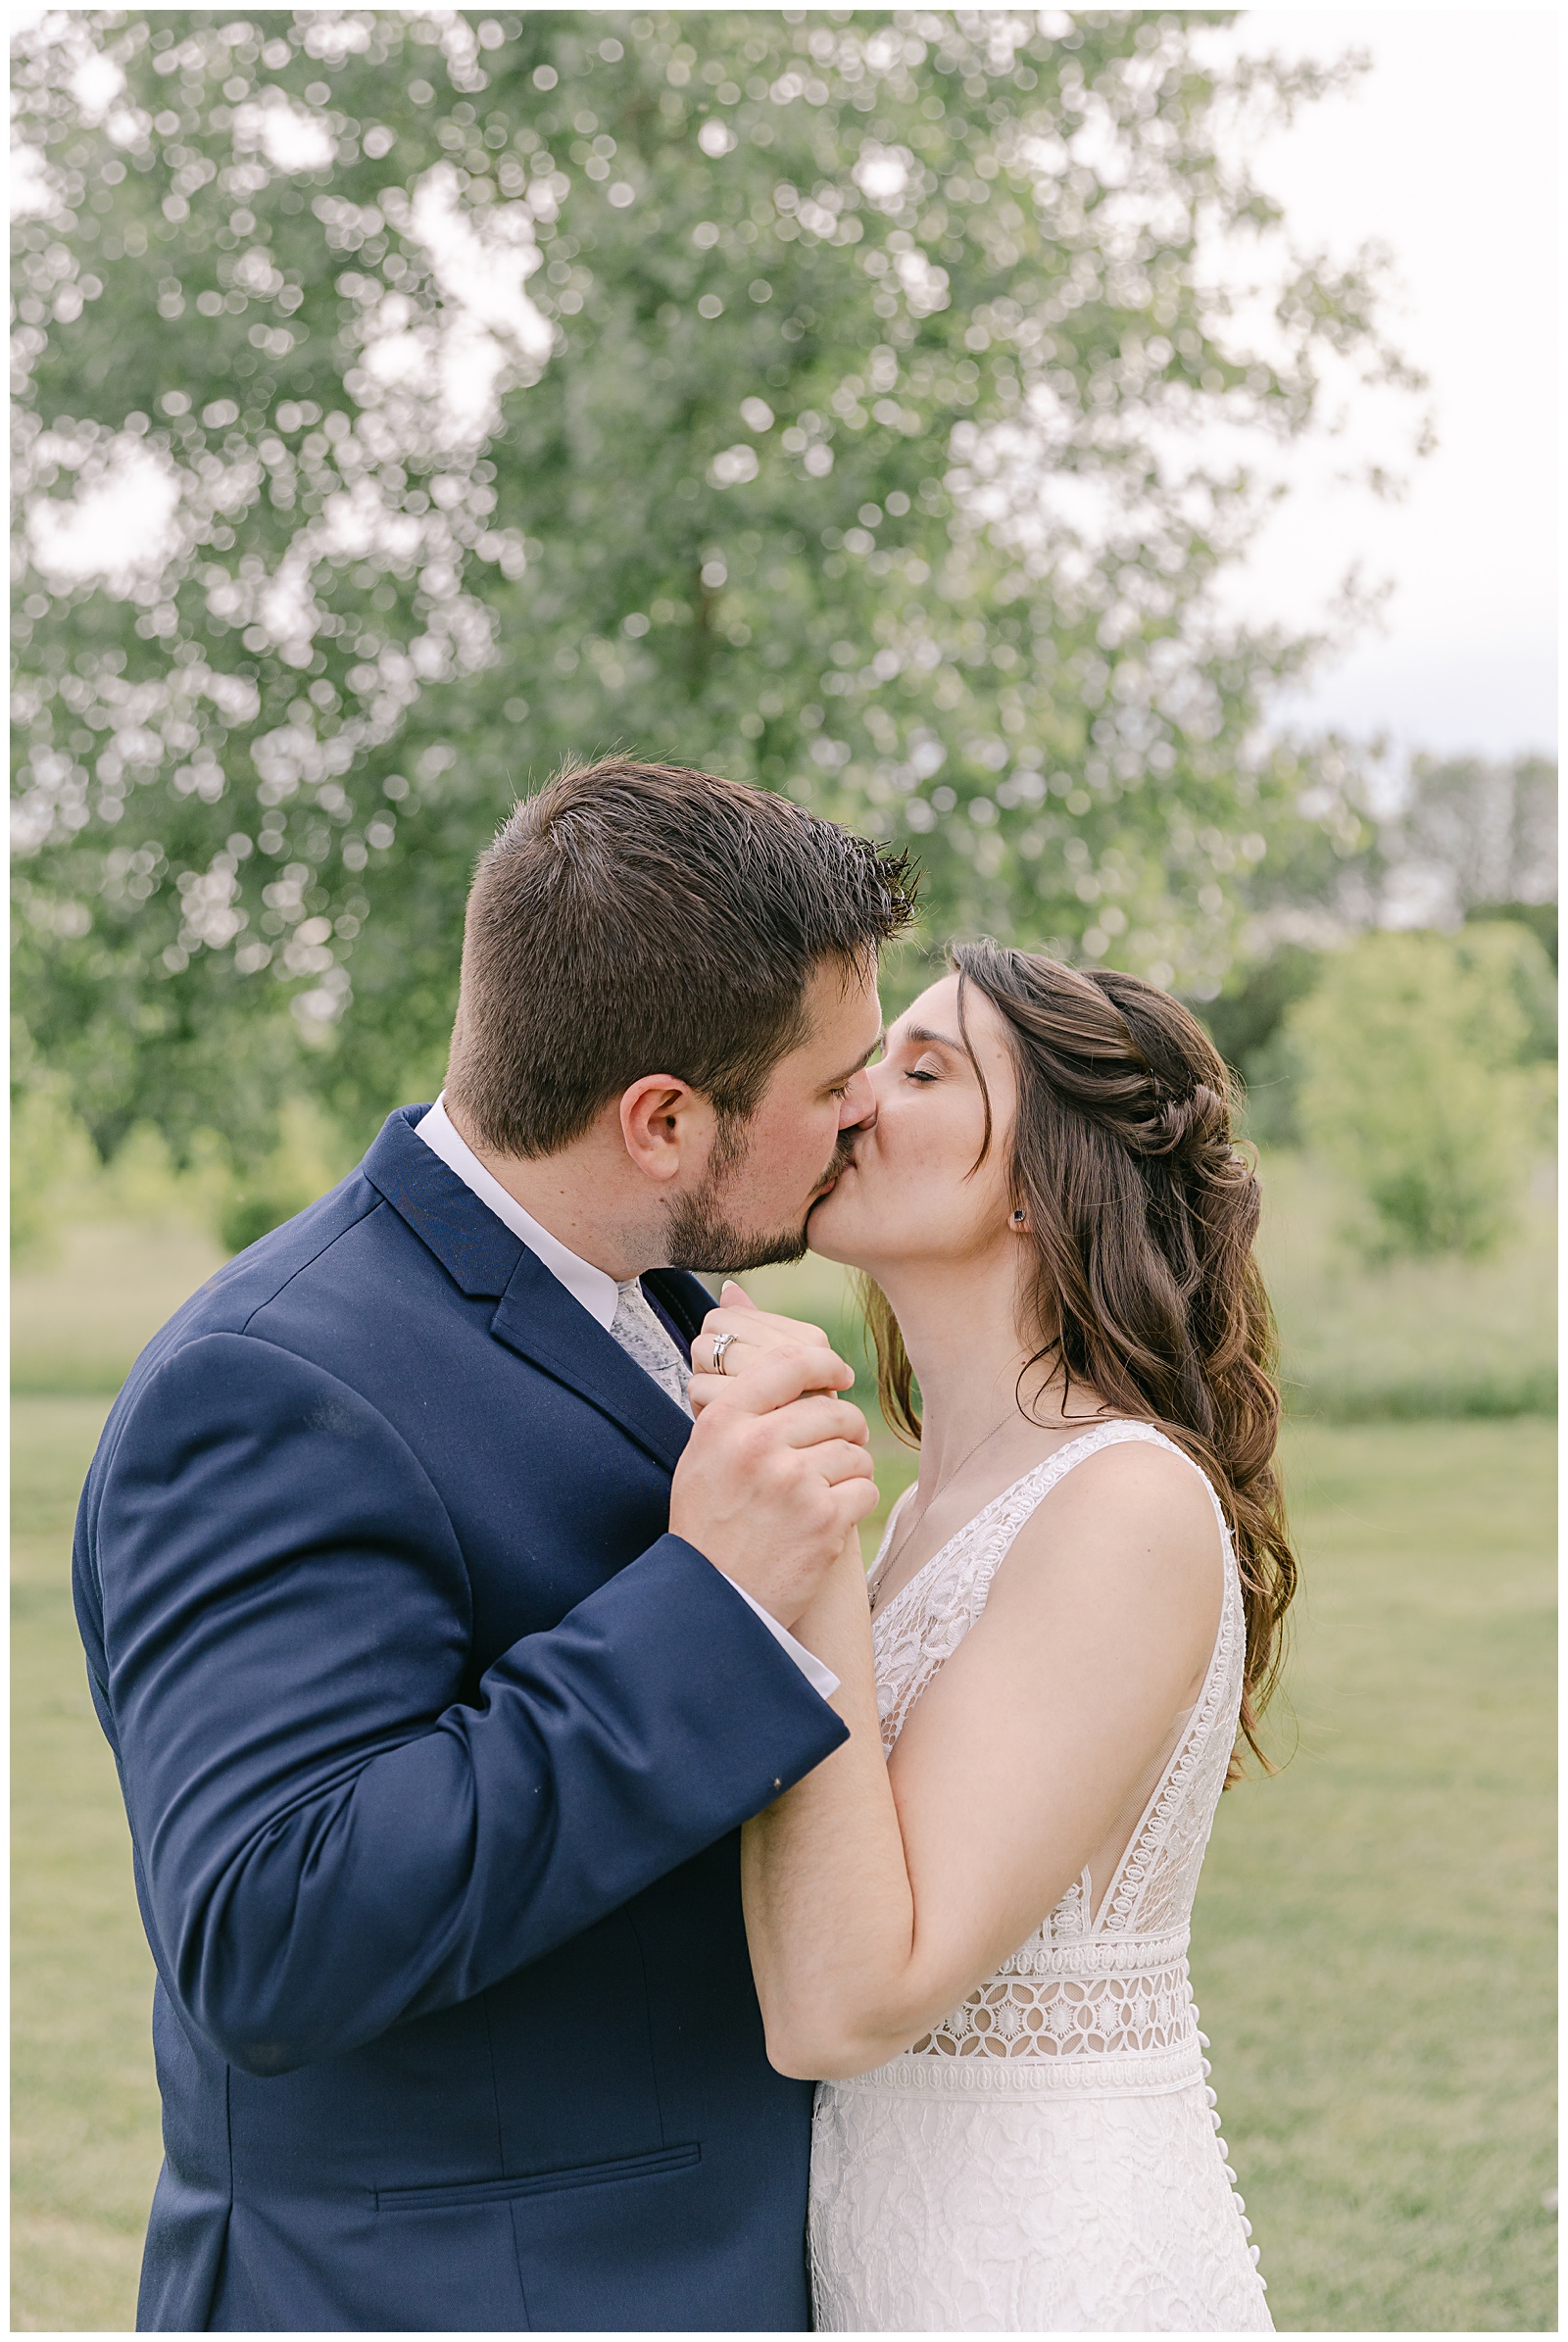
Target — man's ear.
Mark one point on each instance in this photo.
(658, 1118)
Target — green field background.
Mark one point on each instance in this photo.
(1373, 1953)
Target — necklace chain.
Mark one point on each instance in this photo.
(940, 1490)
(948, 1478)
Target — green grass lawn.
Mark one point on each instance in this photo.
(1411, 1338)
(1374, 1952)
(79, 1320)
(85, 2110)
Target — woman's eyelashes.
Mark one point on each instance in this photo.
(925, 1067)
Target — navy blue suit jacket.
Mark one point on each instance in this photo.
(434, 1744)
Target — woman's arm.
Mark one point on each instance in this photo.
(878, 1894)
(829, 1907)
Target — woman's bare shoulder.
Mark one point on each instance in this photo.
(1132, 1475)
(1135, 1514)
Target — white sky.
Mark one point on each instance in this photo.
(1446, 152)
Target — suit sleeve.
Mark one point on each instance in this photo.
(330, 1842)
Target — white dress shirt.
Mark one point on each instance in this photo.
(597, 1293)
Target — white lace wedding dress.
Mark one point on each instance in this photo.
(1045, 2160)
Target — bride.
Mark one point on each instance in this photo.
(970, 1924)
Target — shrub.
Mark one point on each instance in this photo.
(261, 1195)
(1420, 1081)
(1247, 1025)
(50, 1154)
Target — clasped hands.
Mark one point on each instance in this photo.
(777, 1470)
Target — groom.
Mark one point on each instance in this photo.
(442, 1658)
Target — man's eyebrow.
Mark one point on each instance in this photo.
(848, 1075)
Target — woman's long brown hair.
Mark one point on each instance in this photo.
(1142, 1214)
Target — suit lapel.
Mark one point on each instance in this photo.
(539, 1320)
(536, 1316)
(682, 1300)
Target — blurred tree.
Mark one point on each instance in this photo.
(1446, 840)
(1420, 1080)
(407, 401)
(1247, 1023)
(49, 1148)
(1468, 842)
(269, 1187)
(1472, 834)
(1511, 953)
(1539, 917)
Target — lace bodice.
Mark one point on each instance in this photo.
(1088, 1986)
(1047, 2158)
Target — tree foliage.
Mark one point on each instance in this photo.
(407, 401)
(1422, 1080)
(1465, 839)
(1471, 834)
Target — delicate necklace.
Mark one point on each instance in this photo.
(945, 1483)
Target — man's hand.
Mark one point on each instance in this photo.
(755, 1335)
(775, 1475)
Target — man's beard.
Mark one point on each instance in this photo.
(703, 1236)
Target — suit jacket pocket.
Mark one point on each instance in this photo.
(461, 2192)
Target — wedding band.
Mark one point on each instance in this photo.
(721, 1342)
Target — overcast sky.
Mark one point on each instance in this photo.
(1446, 152)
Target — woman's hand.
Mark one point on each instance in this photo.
(755, 1335)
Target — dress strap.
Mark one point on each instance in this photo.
(1117, 1433)
(873, 1576)
(983, 1543)
(1031, 1492)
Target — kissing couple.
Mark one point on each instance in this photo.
(581, 1899)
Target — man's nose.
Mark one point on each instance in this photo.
(858, 1107)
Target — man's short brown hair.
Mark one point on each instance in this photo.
(644, 918)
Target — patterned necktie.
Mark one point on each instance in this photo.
(641, 1335)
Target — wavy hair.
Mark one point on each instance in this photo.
(1143, 1213)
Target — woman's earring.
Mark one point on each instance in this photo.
(1018, 1217)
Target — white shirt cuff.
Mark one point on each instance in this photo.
(821, 1679)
